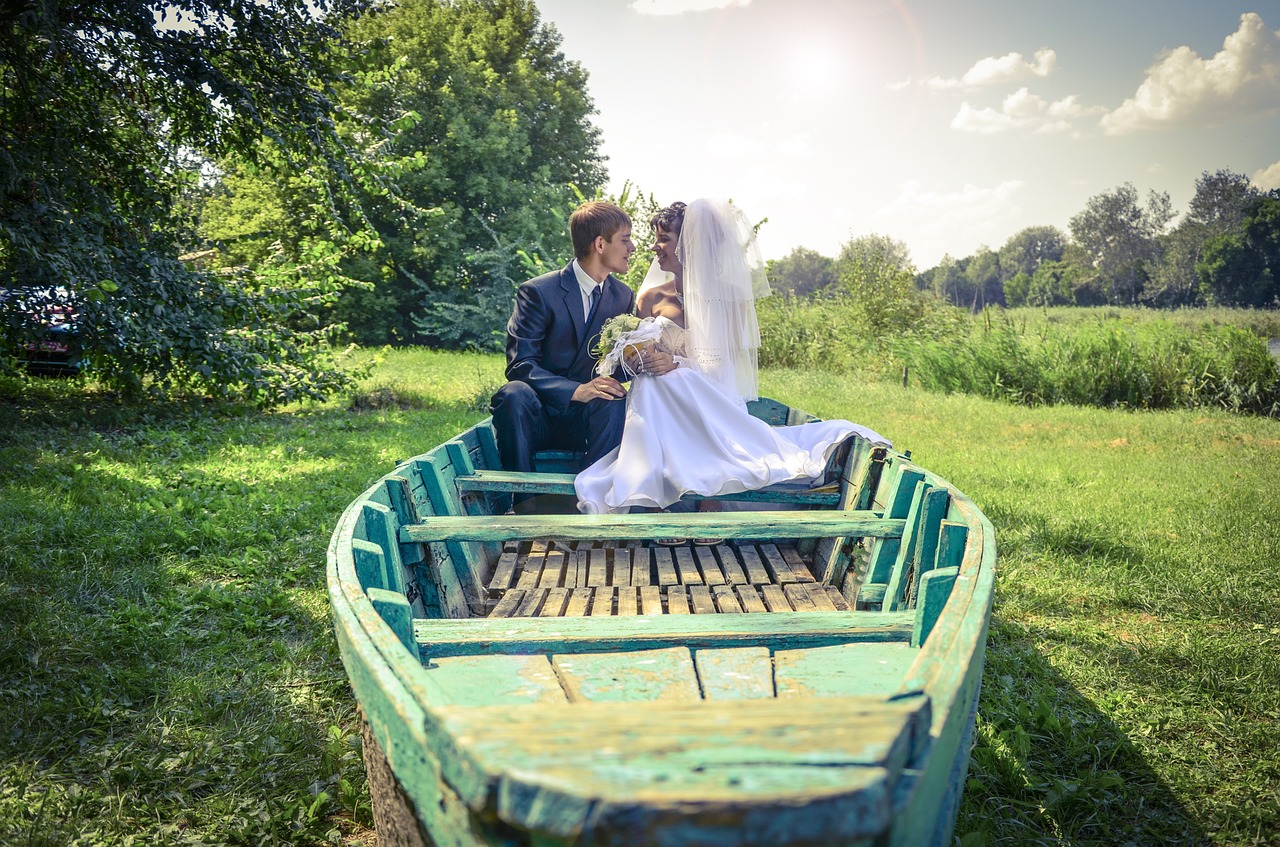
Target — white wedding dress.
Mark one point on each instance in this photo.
(685, 435)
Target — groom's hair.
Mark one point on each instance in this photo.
(670, 219)
(592, 219)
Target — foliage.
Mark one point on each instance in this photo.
(1029, 248)
(1243, 269)
(101, 113)
(873, 257)
(1121, 239)
(877, 281)
(984, 275)
(1218, 208)
(1149, 365)
(500, 136)
(802, 272)
(844, 333)
(1054, 284)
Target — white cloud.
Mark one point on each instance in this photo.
(1022, 110)
(954, 222)
(1241, 81)
(679, 7)
(1267, 178)
(995, 70)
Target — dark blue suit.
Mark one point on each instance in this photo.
(548, 357)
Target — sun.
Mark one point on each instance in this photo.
(816, 71)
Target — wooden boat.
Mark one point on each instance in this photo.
(545, 679)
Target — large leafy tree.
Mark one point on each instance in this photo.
(983, 273)
(503, 135)
(1121, 238)
(878, 276)
(1243, 268)
(1218, 208)
(99, 103)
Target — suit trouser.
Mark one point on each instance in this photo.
(523, 426)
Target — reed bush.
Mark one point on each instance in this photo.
(1133, 365)
(1106, 357)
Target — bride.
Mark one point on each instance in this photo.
(687, 427)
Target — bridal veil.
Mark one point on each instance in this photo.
(723, 277)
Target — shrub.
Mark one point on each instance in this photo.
(1107, 363)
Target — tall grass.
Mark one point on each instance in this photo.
(1109, 357)
(1151, 365)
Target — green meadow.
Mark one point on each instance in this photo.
(170, 676)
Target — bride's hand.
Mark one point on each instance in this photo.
(654, 362)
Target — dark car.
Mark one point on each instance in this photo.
(41, 324)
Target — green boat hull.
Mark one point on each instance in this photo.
(555, 678)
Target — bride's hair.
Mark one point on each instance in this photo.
(670, 219)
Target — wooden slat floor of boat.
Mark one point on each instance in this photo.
(574, 579)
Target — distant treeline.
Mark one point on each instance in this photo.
(1118, 251)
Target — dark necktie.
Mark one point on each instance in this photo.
(591, 304)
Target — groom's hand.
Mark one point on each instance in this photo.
(600, 388)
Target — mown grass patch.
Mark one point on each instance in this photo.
(166, 656)
(171, 677)
(1135, 643)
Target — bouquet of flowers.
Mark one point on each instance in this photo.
(613, 329)
(622, 336)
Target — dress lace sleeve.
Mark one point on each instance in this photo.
(675, 340)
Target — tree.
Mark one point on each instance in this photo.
(1027, 249)
(873, 255)
(500, 147)
(984, 276)
(1217, 209)
(103, 107)
(1053, 284)
(876, 273)
(1121, 238)
(948, 281)
(1244, 269)
(803, 272)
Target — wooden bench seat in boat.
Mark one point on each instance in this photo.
(633, 741)
(516, 482)
(652, 526)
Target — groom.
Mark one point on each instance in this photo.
(554, 398)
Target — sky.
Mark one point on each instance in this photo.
(946, 125)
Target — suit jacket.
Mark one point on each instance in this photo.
(547, 346)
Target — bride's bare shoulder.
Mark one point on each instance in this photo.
(649, 301)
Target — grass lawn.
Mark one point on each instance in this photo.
(170, 674)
